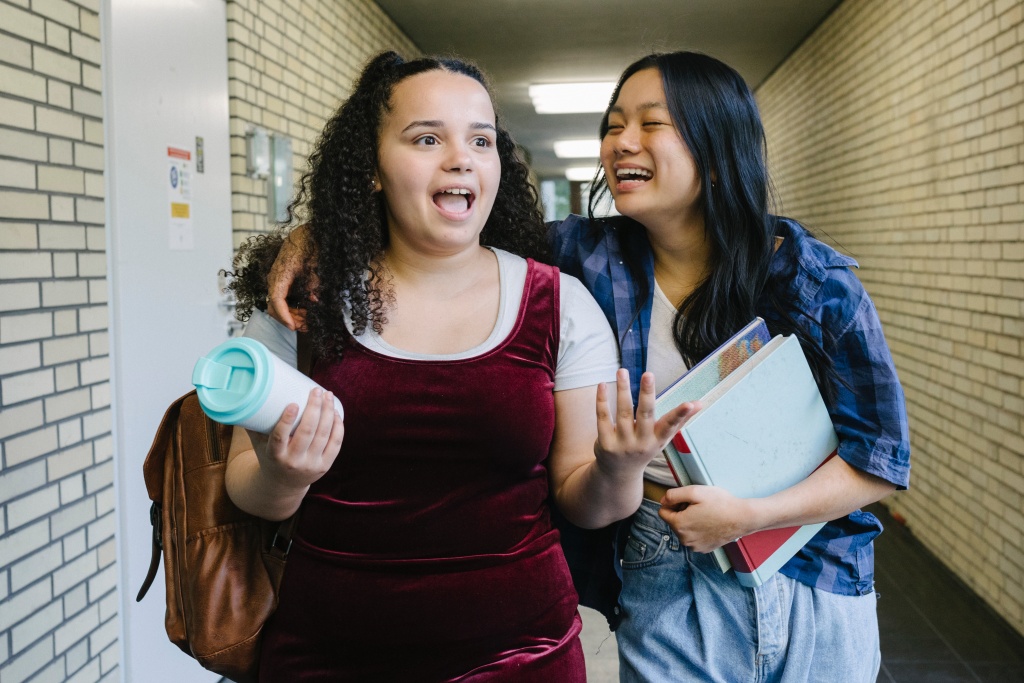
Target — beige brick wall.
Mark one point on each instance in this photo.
(896, 128)
(290, 63)
(58, 598)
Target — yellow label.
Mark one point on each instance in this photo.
(179, 210)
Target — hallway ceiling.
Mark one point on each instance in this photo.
(520, 42)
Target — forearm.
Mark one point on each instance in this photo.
(834, 490)
(251, 490)
(593, 497)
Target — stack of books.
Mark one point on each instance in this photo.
(762, 428)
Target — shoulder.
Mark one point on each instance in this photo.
(577, 227)
(587, 352)
(568, 227)
(813, 271)
(810, 253)
(571, 290)
(818, 279)
(567, 237)
(509, 262)
(279, 339)
(579, 243)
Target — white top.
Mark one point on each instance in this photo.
(665, 361)
(587, 351)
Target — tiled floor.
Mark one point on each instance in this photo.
(933, 630)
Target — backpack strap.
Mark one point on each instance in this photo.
(304, 351)
(155, 512)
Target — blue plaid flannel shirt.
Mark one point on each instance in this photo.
(869, 415)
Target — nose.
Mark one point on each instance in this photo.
(627, 141)
(458, 158)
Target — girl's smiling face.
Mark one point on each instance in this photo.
(650, 171)
(438, 164)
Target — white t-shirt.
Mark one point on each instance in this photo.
(664, 360)
(587, 352)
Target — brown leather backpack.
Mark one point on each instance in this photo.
(222, 566)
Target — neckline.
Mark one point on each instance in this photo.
(471, 354)
(659, 293)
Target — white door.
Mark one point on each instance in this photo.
(166, 84)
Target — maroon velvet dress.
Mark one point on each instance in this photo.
(427, 553)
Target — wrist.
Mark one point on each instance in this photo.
(620, 471)
(279, 490)
(756, 514)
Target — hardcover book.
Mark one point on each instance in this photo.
(761, 429)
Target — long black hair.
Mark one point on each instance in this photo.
(345, 216)
(715, 114)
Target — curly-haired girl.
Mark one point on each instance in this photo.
(469, 376)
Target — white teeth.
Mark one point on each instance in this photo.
(632, 172)
(456, 190)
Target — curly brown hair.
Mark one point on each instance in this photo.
(345, 217)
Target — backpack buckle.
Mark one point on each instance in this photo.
(282, 546)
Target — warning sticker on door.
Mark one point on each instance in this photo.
(179, 191)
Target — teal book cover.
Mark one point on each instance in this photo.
(761, 430)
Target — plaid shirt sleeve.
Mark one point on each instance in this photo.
(870, 414)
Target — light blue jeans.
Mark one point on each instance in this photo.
(684, 620)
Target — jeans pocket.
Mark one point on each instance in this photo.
(644, 547)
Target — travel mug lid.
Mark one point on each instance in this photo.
(234, 379)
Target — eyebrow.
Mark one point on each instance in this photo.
(440, 124)
(646, 106)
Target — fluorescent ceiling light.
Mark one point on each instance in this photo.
(577, 149)
(571, 98)
(582, 174)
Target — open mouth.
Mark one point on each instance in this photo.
(638, 175)
(454, 201)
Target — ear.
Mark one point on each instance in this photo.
(375, 185)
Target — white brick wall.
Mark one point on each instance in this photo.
(58, 606)
(896, 129)
(290, 63)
